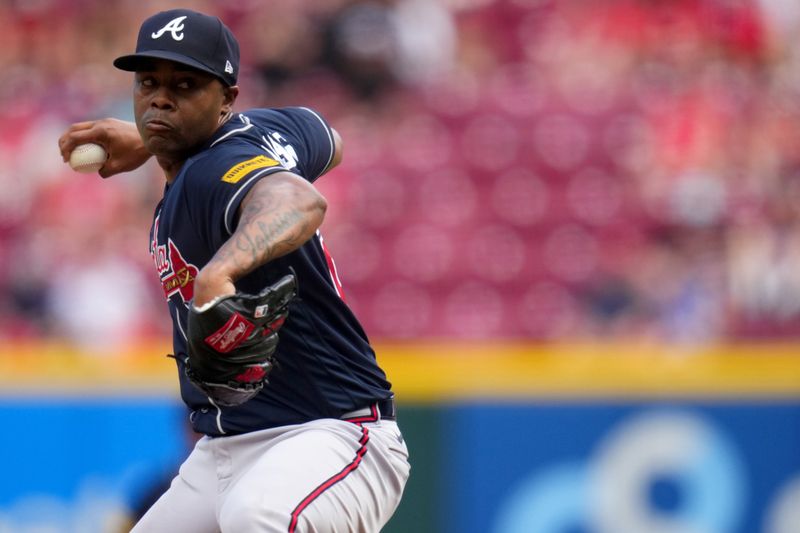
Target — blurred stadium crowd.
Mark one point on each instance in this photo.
(538, 169)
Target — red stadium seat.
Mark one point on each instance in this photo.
(517, 89)
(448, 197)
(454, 94)
(400, 309)
(497, 253)
(547, 310)
(490, 142)
(595, 196)
(571, 253)
(474, 310)
(423, 253)
(520, 197)
(422, 143)
(358, 252)
(378, 198)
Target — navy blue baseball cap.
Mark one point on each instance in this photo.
(187, 37)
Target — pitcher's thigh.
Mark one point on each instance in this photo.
(326, 478)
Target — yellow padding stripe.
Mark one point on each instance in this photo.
(434, 372)
(453, 371)
(35, 368)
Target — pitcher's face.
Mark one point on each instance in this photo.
(178, 108)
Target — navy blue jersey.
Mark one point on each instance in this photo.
(325, 365)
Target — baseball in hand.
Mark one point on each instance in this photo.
(87, 158)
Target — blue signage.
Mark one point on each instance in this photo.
(607, 467)
(81, 465)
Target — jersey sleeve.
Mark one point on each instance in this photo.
(217, 184)
(293, 139)
(309, 134)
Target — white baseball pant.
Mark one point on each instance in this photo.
(324, 476)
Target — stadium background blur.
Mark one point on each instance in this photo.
(578, 220)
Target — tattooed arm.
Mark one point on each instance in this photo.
(278, 215)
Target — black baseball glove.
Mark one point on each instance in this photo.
(232, 342)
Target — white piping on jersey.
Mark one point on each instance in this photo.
(219, 415)
(243, 187)
(219, 411)
(330, 138)
(246, 127)
(180, 328)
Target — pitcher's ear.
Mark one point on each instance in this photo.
(230, 94)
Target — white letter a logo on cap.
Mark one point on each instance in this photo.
(174, 26)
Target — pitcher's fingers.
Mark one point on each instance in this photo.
(79, 133)
(85, 125)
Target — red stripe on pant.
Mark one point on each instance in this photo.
(331, 481)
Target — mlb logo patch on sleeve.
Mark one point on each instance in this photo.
(240, 170)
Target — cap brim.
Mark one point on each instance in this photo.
(133, 62)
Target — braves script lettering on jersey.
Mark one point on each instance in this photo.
(322, 346)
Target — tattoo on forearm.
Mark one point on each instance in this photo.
(265, 239)
(265, 231)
